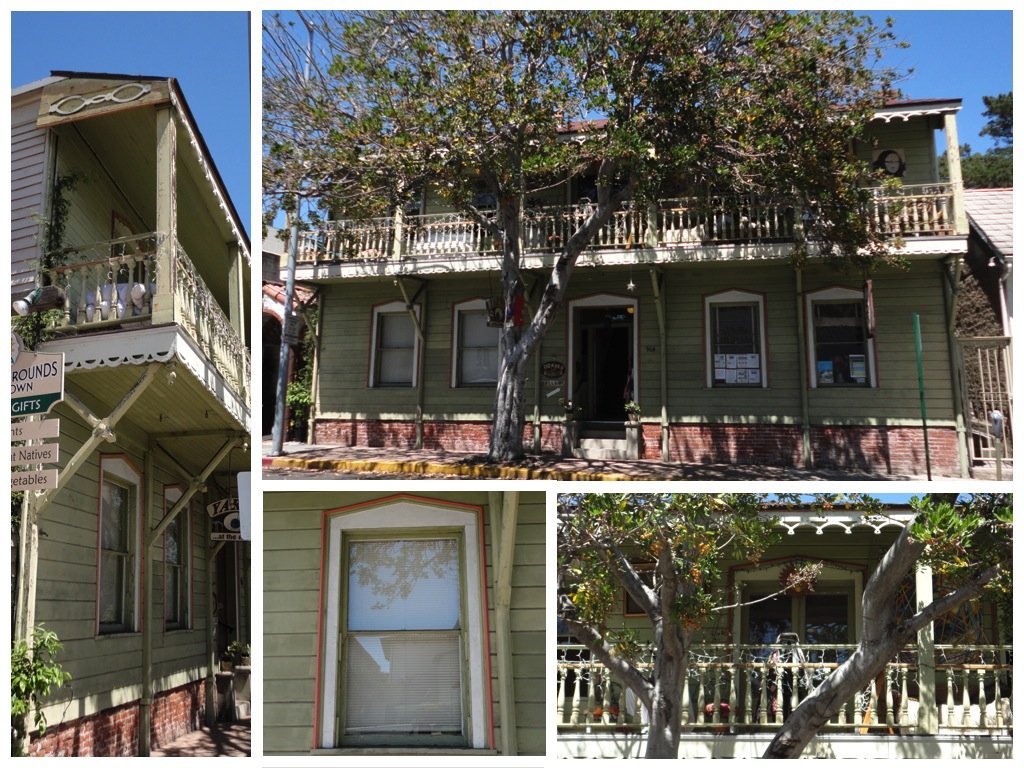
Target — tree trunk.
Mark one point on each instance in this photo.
(829, 697)
(509, 417)
(666, 712)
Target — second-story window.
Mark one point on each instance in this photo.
(735, 339)
(841, 350)
(395, 347)
(474, 346)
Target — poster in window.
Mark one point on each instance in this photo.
(720, 374)
(858, 368)
(730, 361)
(754, 376)
(825, 375)
(719, 361)
(741, 375)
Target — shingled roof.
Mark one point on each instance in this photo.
(990, 212)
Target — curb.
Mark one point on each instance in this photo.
(478, 472)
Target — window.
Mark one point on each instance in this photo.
(404, 645)
(475, 346)
(118, 546)
(176, 565)
(395, 346)
(840, 349)
(402, 667)
(735, 339)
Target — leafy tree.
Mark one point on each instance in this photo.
(999, 111)
(517, 101)
(687, 537)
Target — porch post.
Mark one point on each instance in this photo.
(148, 617)
(928, 714)
(236, 281)
(166, 214)
(951, 271)
(956, 179)
(504, 515)
(659, 306)
(801, 354)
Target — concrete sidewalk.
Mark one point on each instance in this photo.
(222, 740)
(547, 466)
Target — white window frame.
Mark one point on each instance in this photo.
(393, 308)
(395, 516)
(172, 494)
(836, 294)
(121, 472)
(734, 297)
(472, 305)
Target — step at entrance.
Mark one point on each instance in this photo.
(602, 448)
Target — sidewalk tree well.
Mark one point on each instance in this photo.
(685, 538)
(490, 108)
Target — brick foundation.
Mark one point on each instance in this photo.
(471, 436)
(115, 732)
(882, 450)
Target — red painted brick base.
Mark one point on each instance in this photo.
(881, 450)
(115, 732)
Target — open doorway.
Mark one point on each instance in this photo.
(603, 359)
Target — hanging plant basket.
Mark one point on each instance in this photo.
(786, 580)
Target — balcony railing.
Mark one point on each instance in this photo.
(112, 285)
(910, 211)
(747, 688)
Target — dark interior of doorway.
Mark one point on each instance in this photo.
(604, 367)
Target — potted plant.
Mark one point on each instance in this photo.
(571, 411)
(239, 653)
(632, 408)
(227, 662)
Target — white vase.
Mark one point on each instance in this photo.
(106, 290)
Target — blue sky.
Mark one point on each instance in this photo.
(208, 53)
(955, 54)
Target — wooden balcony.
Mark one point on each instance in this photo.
(748, 689)
(113, 286)
(675, 223)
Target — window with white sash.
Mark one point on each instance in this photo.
(404, 645)
(474, 346)
(394, 346)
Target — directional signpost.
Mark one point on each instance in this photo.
(37, 384)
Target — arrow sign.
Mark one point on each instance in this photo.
(36, 480)
(35, 430)
(34, 454)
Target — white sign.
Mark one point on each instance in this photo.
(38, 480)
(46, 453)
(37, 383)
(245, 504)
(35, 430)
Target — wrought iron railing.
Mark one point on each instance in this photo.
(112, 285)
(747, 688)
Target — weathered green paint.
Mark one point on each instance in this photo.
(348, 308)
